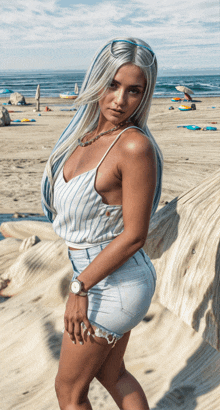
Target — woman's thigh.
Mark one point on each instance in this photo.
(79, 364)
(113, 366)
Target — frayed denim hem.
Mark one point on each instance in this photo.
(100, 331)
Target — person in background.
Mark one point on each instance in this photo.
(187, 97)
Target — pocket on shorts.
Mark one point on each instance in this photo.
(136, 297)
(136, 281)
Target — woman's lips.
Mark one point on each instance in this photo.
(117, 111)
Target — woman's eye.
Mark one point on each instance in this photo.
(112, 85)
(135, 91)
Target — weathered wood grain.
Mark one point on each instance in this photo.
(184, 245)
(25, 229)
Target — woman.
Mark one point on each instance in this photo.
(101, 185)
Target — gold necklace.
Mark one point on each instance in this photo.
(84, 144)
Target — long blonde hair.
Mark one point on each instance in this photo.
(99, 76)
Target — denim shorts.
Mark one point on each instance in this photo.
(121, 300)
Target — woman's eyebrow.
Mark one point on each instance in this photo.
(132, 85)
(137, 85)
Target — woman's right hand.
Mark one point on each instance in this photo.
(75, 314)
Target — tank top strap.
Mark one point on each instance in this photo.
(113, 143)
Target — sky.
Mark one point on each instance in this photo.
(65, 34)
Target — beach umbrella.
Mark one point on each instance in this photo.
(184, 89)
(76, 90)
(6, 91)
(37, 98)
(37, 95)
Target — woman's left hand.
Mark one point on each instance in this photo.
(75, 314)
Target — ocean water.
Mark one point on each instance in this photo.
(201, 85)
(53, 83)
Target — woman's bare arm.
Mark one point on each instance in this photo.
(138, 172)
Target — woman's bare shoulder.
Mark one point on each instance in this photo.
(136, 144)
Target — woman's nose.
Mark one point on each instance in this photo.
(120, 97)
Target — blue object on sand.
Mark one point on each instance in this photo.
(70, 95)
(190, 127)
(16, 120)
(5, 91)
(209, 129)
(68, 109)
(184, 108)
(33, 120)
(193, 127)
(39, 115)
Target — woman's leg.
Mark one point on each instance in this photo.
(78, 365)
(123, 387)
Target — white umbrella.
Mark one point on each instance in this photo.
(184, 89)
(37, 95)
(37, 98)
(76, 90)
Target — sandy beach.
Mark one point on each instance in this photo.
(32, 319)
(189, 156)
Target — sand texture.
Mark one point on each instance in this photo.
(189, 156)
(174, 363)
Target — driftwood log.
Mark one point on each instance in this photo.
(184, 245)
(25, 229)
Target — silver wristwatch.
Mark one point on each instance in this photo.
(76, 287)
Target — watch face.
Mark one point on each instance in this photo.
(75, 287)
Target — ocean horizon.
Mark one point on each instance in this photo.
(53, 83)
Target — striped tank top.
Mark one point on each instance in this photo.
(82, 219)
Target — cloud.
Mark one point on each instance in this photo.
(45, 28)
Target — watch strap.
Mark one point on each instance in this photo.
(82, 294)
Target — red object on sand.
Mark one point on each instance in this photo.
(47, 109)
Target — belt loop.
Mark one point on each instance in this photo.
(87, 253)
(103, 245)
